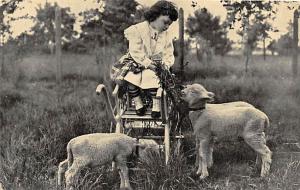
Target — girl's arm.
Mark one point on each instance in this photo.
(136, 46)
(168, 53)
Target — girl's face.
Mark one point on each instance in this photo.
(162, 23)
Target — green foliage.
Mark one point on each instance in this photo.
(204, 25)
(284, 45)
(117, 16)
(92, 28)
(272, 46)
(155, 174)
(105, 25)
(258, 31)
(7, 7)
(44, 28)
(253, 16)
(243, 10)
(36, 140)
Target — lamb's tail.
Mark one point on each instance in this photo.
(70, 155)
(267, 123)
(269, 137)
(64, 165)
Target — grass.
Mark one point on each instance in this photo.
(36, 126)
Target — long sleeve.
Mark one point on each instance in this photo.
(136, 46)
(168, 53)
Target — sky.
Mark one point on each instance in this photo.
(283, 15)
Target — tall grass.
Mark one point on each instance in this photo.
(36, 126)
(36, 129)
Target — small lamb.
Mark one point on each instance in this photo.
(224, 121)
(94, 150)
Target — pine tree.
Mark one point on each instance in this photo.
(208, 30)
(44, 29)
(117, 16)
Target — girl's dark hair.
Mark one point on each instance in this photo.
(162, 7)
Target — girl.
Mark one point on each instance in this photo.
(148, 41)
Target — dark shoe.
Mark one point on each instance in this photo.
(141, 111)
(155, 114)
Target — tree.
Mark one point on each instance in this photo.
(208, 31)
(106, 23)
(244, 11)
(117, 16)
(258, 31)
(284, 44)
(92, 28)
(44, 28)
(7, 7)
(272, 46)
(262, 29)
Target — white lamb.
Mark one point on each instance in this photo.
(94, 150)
(224, 121)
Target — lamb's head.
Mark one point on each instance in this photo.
(196, 96)
(144, 146)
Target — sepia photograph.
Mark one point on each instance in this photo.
(149, 95)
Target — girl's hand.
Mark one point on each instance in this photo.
(152, 67)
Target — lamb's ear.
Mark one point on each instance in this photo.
(141, 146)
(211, 96)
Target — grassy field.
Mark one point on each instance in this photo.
(35, 125)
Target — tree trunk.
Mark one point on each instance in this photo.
(58, 54)
(295, 45)
(199, 54)
(2, 57)
(181, 44)
(264, 44)
(58, 45)
(247, 57)
(246, 44)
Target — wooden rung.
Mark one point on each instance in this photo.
(140, 127)
(159, 137)
(150, 137)
(136, 117)
(133, 112)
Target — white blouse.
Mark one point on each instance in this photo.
(143, 48)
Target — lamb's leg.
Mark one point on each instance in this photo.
(62, 168)
(258, 159)
(203, 152)
(210, 160)
(121, 163)
(258, 143)
(197, 163)
(122, 183)
(71, 174)
(113, 166)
